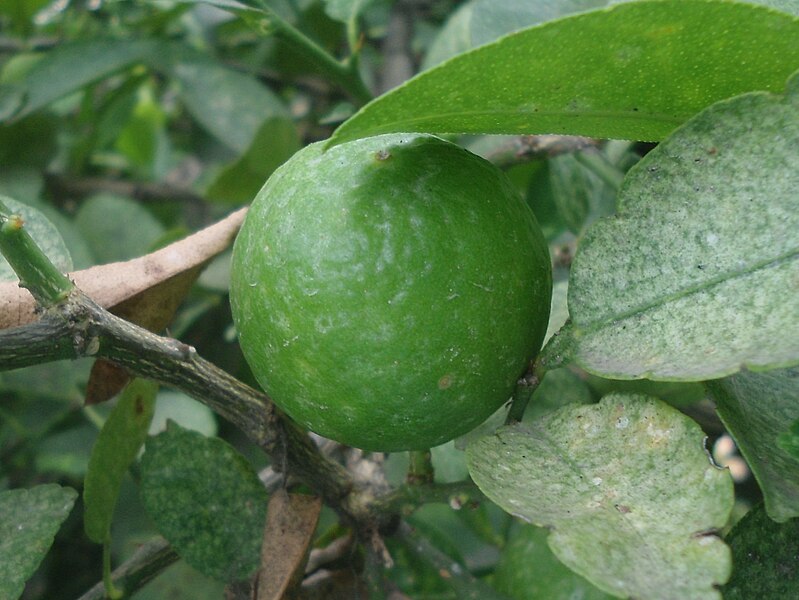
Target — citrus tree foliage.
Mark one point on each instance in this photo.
(656, 143)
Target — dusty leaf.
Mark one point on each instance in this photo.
(112, 284)
(29, 519)
(695, 276)
(290, 523)
(765, 557)
(637, 496)
(206, 499)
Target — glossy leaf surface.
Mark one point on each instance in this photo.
(632, 71)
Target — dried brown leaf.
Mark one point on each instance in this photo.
(290, 523)
(106, 380)
(112, 284)
(153, 309)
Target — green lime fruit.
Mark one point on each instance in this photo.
(389, 292)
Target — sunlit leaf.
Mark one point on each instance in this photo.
(626, 488)
(117, 228)
(345, 10)
(231, 105)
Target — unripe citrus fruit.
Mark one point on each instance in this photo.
(388, 292)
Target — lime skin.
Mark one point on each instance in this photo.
(389, 292)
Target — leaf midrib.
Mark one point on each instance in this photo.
(600, 323)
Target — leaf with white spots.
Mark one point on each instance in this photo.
(29, 519)
(696, 277)
(627, 489)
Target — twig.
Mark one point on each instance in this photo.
(397, 62)
(523, 148)
(525, 388)
(11, 44)
(62, 186)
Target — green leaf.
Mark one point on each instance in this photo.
(558, 388)
(610, 73)
(21, 12)
(117, 228)
(143, 132)
(183, 410)
(116, 447)
(228, 104)
(528, 569)
(12, 98)
(276, 141)
(345, 10)
(789, 440)
(205, 498)
(691, 279)
(764, 555)
(757, 408)
(43, 232)
(637, 495)
(580, 196)
(29, 519)
(69, 67)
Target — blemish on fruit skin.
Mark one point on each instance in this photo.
(445, 382)
(382, 155)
